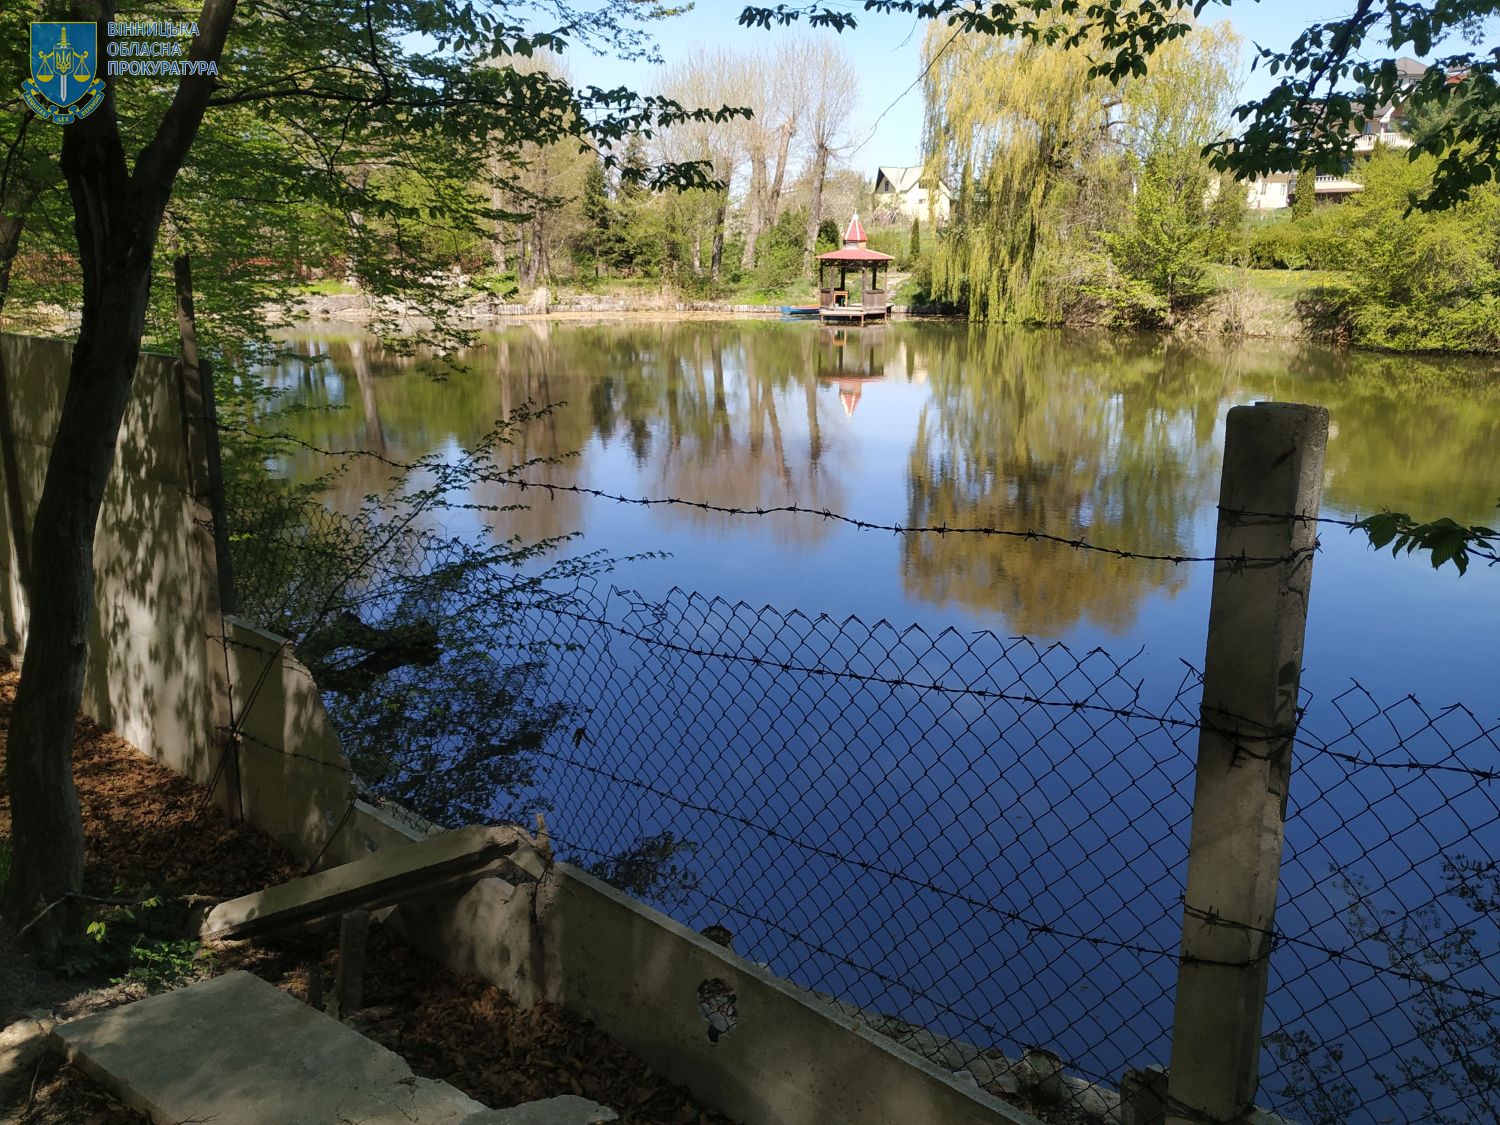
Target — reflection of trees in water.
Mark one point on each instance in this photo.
(369, 405)
(711, 411)
(1411, 434)
(1115, 452)
(1112, 437)
(730, 412)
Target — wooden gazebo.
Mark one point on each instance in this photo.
(839, 303)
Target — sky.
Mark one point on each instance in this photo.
(887, 124)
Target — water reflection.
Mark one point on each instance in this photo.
(851, 357)
(1088, 442)
(1109, 438)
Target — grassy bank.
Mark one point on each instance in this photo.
(1275, 304)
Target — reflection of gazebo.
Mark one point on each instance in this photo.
(867, 301)
(851, 358)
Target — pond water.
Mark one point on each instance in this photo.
(1113, 439)
(931, 838)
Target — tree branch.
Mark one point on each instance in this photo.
(160, 161)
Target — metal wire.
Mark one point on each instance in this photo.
(980, 841)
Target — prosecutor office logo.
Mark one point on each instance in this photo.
(64, 83)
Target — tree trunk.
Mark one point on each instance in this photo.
(773, 199)
(47, 828)
(716, 259)
(497, 243)
(541, 267)
(755, 207)
(116, 217)
(815, 211)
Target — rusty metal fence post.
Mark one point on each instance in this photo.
(1269, 494)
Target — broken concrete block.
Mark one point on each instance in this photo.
(1094, 1102)
(384, 879)
(1041, 1075)
(994, 1075)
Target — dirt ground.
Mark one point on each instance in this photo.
(151, 833)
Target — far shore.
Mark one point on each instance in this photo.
(353, 309)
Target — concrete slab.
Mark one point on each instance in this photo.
(566, 1110)
(236, 1051)
(383, 879)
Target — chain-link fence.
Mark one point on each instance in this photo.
(976, 843)
(981, 842)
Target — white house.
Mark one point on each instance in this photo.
(901, 191)
(1273, 192)
(1385, 127)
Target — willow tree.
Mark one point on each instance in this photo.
(1182, 215)
(1072, 172)
(1028, 124)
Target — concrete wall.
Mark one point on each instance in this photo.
(147, 672)
(792, 1058)
(159, 672)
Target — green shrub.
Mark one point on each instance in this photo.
(142, 943)
(1322, 240)
(1277, 246)
(895, 241)
(778, 253)
(1421, 281)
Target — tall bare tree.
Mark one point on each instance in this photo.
(717, 78)
(777, 90)
(832, 93)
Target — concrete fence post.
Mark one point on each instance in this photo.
(195, 388)
(1270, 489)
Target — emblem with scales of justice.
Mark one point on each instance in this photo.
(60, 63)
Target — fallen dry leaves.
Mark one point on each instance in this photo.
(147, 830)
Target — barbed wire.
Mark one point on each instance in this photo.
(846, 787)
(504, 477)
(1234, 562)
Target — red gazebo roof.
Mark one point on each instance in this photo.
(854, 247)
(855, 254)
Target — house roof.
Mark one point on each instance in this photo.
(903, 180)
(1409, 69)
